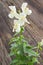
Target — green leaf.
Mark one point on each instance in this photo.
(11, 54)
(14, 61)
(31, 52)
(15, 39)
(34, 60)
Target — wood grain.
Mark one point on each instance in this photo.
(4, 57)
(33, 32)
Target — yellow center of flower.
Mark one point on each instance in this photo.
(16, 26)
(26, 10)
(23, 17)
(12, 12)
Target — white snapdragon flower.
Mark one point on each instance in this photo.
(16, 26)
(20, 22)
(21, 17)
(13, 12)
(25, 9)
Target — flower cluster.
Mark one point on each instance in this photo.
(20, 17)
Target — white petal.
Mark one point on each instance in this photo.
(13, 12)
(16, 15)
(21, 22)
(27, 21)
(13, 30)
(16, 26)
(22, 16)
(13, 8)
(16, 22)
(11, 15)
(29, 12)
(18, 29)
(24, 5)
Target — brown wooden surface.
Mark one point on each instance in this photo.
(4, 57)
(33, 33)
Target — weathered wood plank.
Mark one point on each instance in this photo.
(5, 32)
(4, 57)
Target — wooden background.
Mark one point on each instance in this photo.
(33, 33)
